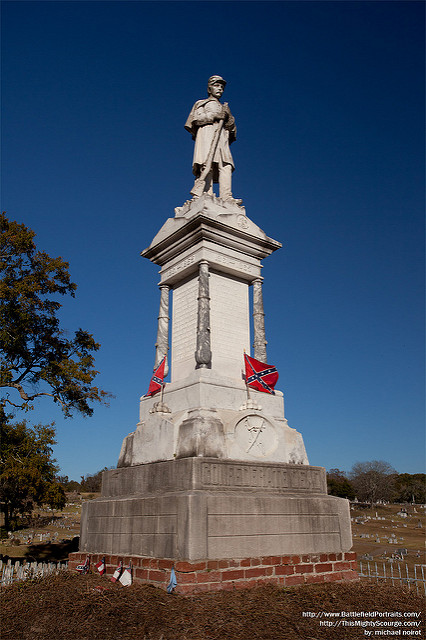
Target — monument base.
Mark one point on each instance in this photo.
(201, 509)
(217, 575)
(211, 416)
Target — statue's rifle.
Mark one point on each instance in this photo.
(200, 182)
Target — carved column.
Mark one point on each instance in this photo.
(162, 344)
(203, 354)
(259, 343)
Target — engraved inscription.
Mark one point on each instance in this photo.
(283, 479)
(316, 479)
(180, 266)
(239, 265)
(251, 476)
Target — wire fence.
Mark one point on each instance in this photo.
(12, 572)
(414, 577)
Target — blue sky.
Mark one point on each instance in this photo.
(329, 103)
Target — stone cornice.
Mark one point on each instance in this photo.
(179, 234)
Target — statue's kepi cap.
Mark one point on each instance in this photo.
(217, 79)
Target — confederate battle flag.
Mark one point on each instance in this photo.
(260, 376)
(84, 568)
(157, 379)
(101, 566)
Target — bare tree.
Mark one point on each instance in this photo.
(373, 480)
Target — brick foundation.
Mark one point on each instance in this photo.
(216, 575)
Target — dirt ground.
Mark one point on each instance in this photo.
(380, 532)
(52, 535)
(76, 607)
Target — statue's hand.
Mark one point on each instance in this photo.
(229, 120)
(223, 114)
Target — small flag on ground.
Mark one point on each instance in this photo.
(83, 568)
(173, 582)
(259, 375)
(117, 573)
(126, 576)
(101, 567)
(157, 379)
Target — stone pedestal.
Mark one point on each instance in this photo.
(214, 473)
(209, 418)
(210, 256)
(209, 509)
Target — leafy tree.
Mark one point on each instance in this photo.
(27, 470)
(36, 357)
(339, 485)
(410, 487)
(373, 480)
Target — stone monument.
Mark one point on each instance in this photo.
(213, 481)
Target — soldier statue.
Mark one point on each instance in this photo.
(212, 126)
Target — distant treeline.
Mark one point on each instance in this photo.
(375, 481)
(91, 483)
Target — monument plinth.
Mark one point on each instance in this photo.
(213, 472)
(210, 257)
